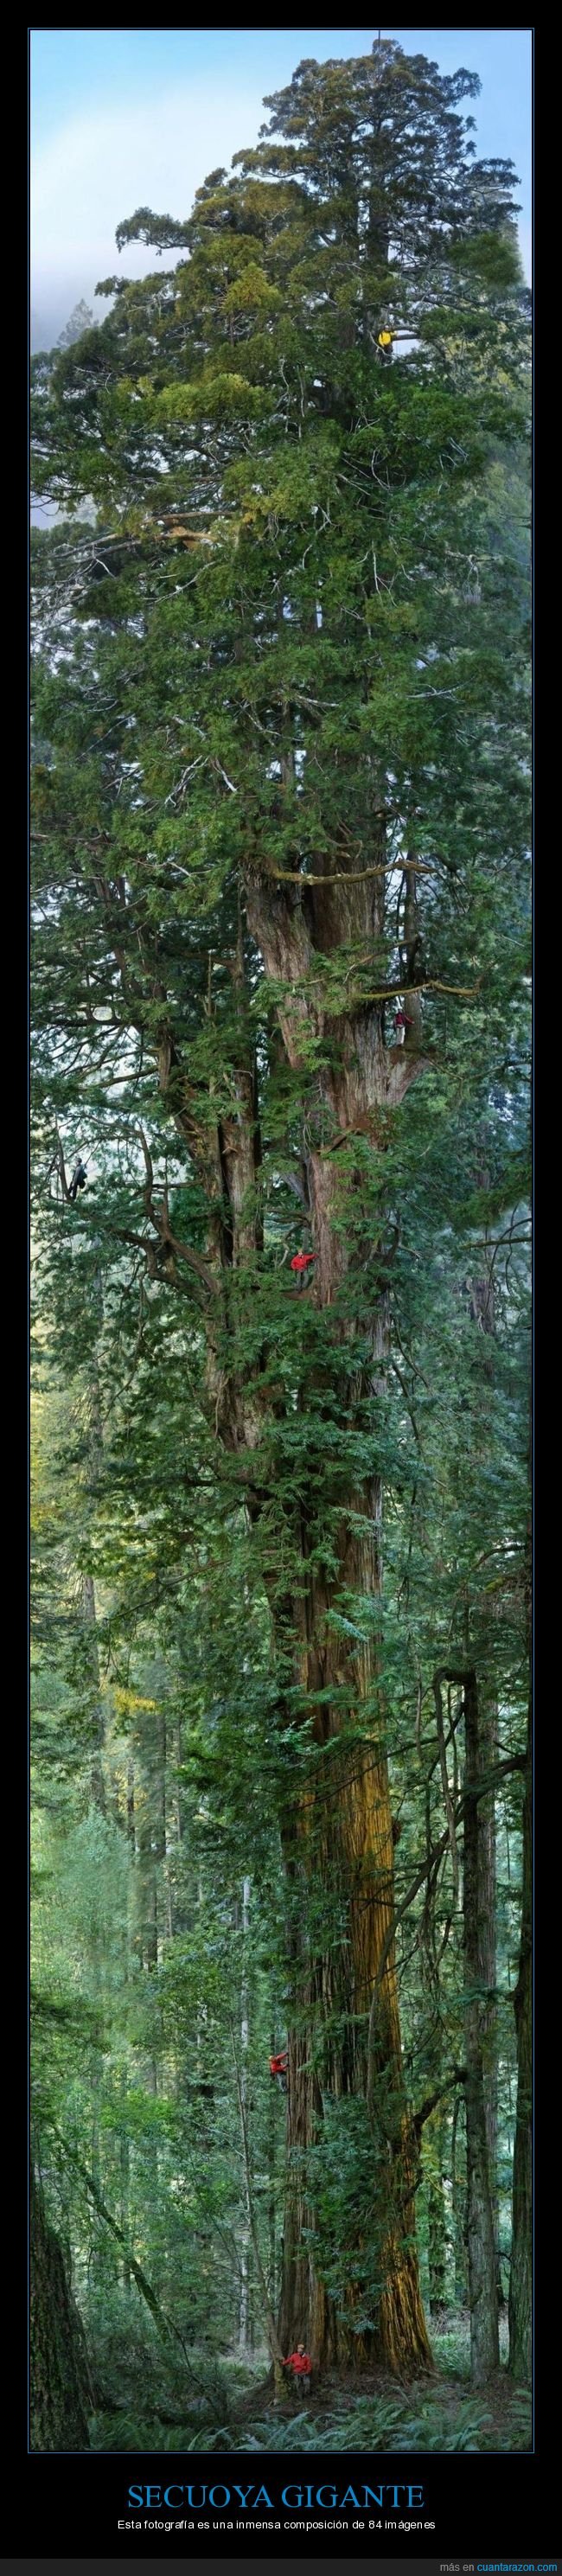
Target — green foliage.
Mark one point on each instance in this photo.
(378, 2424)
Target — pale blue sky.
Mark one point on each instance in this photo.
(122, 117)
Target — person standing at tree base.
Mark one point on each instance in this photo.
(301, 2365)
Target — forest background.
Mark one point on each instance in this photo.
(281, 1733)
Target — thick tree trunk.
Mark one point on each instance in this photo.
(338, 1844)
(340, 1870)
(520, 2288)
(346, 1867)
(482, 2282)
(61, 2389)
(339, 1839)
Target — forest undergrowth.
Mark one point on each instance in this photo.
(229, 2404)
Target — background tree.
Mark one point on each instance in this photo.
(61, 2387)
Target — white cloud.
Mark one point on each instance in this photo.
(98, 168)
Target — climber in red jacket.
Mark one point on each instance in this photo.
(401, 1024)
(300, 2362)
(300, 1263)
(278, 2068)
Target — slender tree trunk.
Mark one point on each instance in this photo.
(172, 1827)
(150, 1835)
(163, 1923)
(96, 2081)
(124, 2180)
(520, 2287)
(177, 1798)
(459, 2209)
(437, 2218)
(147, 1917)
(272, 2179)
(261, 2283)
(244, 2311)
(95, 1702)
(489, 1755)
(96, 1713)
(61, 2390)
(482, 1308)
(482, 2284)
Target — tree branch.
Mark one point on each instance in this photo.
(159, 1218)
(341, 876)
(458, 2076)
(164, 2328)
(427, 984)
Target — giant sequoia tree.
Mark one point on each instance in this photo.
(280, 790)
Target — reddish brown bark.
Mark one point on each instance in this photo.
(341, 1854)
(338, 1838)
(341, 1843)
